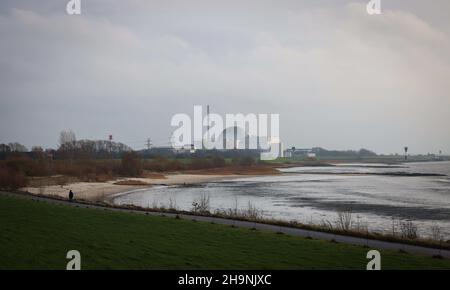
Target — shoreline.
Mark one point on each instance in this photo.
(105, 191)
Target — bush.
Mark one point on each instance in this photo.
(157, 164)
(12, 179)
(201, 205)
(18, 163)
(409, 230)
(131, 165)
(218, 161)
(28, 166)
(247, 161)
(201, 163)
(175, 165)
(344, 220)
(162, 164)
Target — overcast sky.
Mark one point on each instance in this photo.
(338, 77)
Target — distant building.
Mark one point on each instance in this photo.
(311, 155)
(287, 153)
(295, 152)
(186, 149)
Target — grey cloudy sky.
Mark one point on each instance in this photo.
(339, 78)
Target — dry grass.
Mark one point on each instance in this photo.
(237, 170)
(132, 182)
(102, 170)
(12, 179)
(51, 180)
(153, 175)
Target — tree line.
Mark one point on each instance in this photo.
(69, 148)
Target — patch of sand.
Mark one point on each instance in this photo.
(102, 191)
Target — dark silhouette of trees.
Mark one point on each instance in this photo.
(17, 147)
(4, 148)
(71, 148)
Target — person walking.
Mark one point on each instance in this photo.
(71, 195)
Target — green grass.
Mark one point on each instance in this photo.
(37, 235)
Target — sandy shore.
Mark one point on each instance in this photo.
(102, 191)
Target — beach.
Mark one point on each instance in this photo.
(102, 191)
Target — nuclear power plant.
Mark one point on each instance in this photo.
(238, 137)
(247, 135)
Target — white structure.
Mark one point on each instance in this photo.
(311, 155)
(293, 152)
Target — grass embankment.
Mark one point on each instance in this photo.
(37, 235)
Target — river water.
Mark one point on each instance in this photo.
(316, 195)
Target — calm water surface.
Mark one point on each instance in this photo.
(316, 194)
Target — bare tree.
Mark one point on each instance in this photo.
(17, 147)
(394, 226)
(37, 149)
(436, 233)
(67, 143)
(252, 212)
(67, 138)
(409, 230)
(5, 148)
(360, 226)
